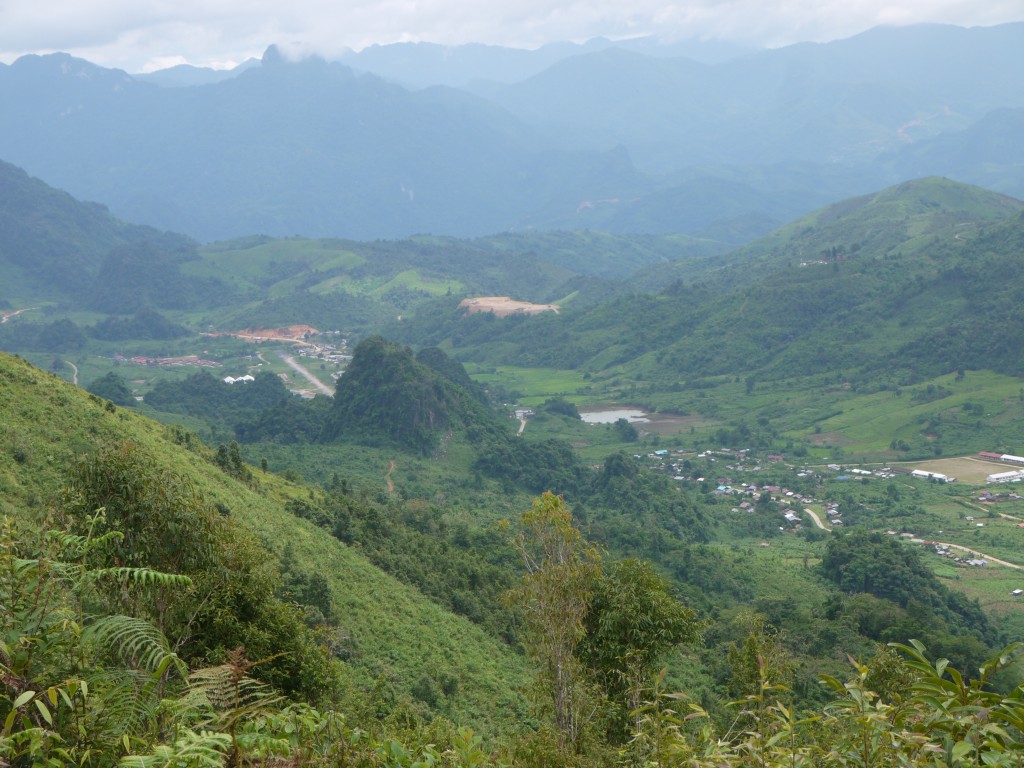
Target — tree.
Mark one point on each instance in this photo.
(554, 599)
(634, 620)
(759, 662)
(626, 431)
(113, 388)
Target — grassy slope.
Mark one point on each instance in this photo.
(395, 632)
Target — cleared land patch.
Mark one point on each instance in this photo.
(966, 469)
(503, 306)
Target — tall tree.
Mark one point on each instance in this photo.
(554, 599)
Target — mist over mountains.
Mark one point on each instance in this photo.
(625, 137)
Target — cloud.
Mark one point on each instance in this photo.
(134, 34)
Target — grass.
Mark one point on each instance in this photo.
(535, 385)
(243, 267)
(395, 633)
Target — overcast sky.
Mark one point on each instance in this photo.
(143, 35)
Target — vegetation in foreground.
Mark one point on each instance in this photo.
(89, 677)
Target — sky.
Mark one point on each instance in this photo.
(145, 35)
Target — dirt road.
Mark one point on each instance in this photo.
(74, 368)
(291, 363)
(5, 316)
(816, 519)
(973, 552)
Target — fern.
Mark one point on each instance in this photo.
(139, 644)
(191, 750)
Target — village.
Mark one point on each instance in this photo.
(797, 504)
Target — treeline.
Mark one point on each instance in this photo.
(64, 335)
(464, 569)
(896, 596)
(220, 404)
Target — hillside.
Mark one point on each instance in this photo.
(390, 634)
(388, 397)
(892, 283)
(52, 245)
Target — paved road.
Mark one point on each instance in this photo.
(291, 363)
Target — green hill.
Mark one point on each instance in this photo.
(54, 248)
(904, 283)
(388, 397)
(390, 635)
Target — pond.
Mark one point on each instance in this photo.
(611, 415)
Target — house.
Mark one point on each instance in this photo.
(933, 476)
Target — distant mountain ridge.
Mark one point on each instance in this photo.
(618, 137)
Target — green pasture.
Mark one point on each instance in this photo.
(869, 423)
(535, 385)
(246, 265)
(378, 285)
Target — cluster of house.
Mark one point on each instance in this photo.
(235, 379)
(975, 562)
(791, 502)
(326, 353)
(992, 498)
(1012, 476)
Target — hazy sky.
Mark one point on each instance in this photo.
(142, 35)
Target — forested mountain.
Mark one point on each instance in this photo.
(902, 282)
(54, 248)
(617, 137)
(387, 396)
(52, 245)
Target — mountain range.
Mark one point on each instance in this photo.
(617, 137)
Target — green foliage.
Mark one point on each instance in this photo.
(144, 274)
(553, 599)
(56, 241)
(149, 517)
(114, 388)
(881, 566)
(596, 634)
(536, 466)
(224, 406)
(387, 398)
(634, 619)
(57, 336)
(145, 324)
(561, 406)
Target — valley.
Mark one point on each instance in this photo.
(718, 468)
